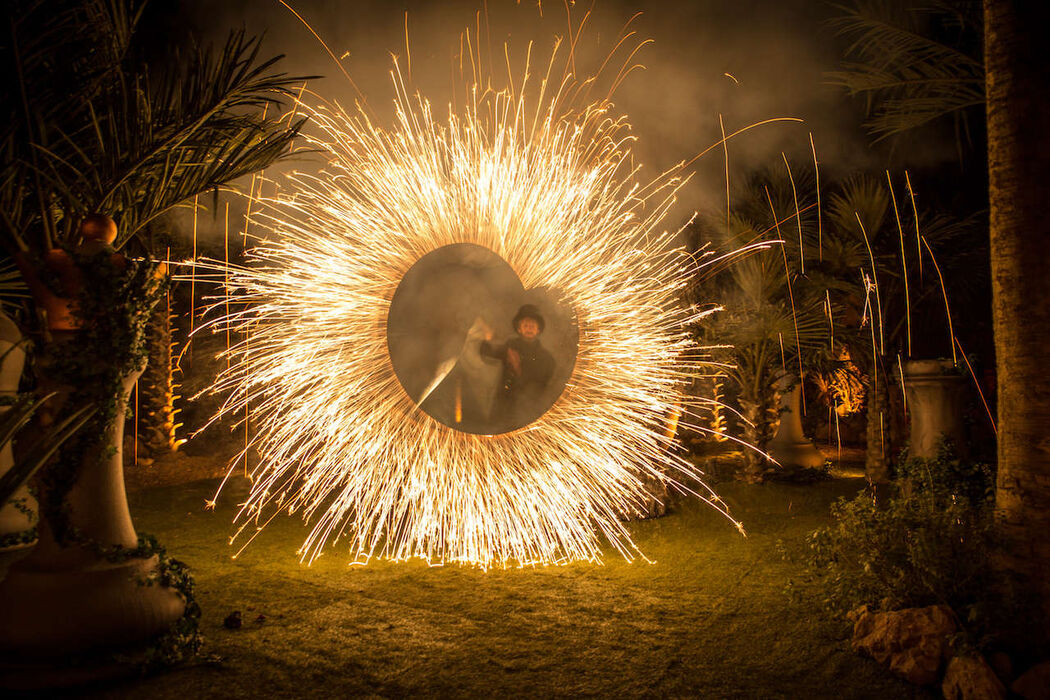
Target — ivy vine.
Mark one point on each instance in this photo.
(113, 307)
(183, 639)
(21, 537)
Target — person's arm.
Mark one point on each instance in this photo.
(488, 349)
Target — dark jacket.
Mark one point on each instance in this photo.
(520, 399)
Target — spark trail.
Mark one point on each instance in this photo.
(547, 184)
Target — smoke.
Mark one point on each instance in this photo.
(711, 65)
(438, 318)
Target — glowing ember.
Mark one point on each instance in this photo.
(549, 187)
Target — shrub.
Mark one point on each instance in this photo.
(926, 543)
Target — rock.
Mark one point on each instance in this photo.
(856, 613)
(912, 642)
(1034, 684)
(233, 621)
(971, 678)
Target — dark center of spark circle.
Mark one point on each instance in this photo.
(474, 349)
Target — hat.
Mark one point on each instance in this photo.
(528, 311)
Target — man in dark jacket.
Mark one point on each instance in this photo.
(527, 370)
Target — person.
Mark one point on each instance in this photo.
(527, 369)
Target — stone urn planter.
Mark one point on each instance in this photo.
(19, 515)
(87, 591)
(936, 400)
(71, 599)
(790, 447)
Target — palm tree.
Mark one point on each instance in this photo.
(88, 128)
(773, 322)
(1016, 68)
(1010, 80)
(91, 128)
(881, 284)
(915, 62)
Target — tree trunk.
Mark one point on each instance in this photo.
(760, 413)
(707, 408)
(156, 404)
(885, 425)
(1018, 101)
(879, 452)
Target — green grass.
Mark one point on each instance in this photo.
(710, 617)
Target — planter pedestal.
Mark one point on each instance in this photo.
(63, 601)
(790, 447)
(936, 392)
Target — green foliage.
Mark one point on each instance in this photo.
(182, 641)
(114, 307)
(914, 61)
(89, 127)
(928, 543)
(911, 550)
(949, 477)
(20, 538)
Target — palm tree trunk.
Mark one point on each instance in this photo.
(886, 425)
(760, 410)
(156, 407)
(879, 452)
(1018, 162)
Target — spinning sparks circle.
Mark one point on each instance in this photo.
(546, 185)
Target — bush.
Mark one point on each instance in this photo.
(926, 543)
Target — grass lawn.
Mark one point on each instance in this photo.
(710, 617)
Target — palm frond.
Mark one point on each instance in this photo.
(859, 197)
(38, 454)
(914, 62)
(114, 136)
(13, 288)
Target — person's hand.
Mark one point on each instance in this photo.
(486, 331)
(514, 360)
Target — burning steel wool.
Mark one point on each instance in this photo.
(545, 183)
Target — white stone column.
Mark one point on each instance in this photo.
(790, 447)
(67, 598)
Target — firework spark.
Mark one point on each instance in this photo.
(549, 186)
